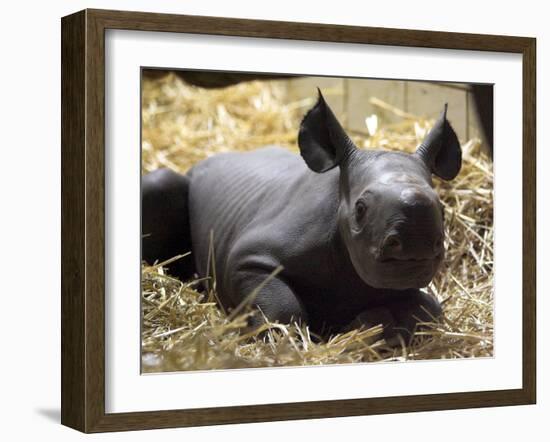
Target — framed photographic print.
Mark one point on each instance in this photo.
(270, 220)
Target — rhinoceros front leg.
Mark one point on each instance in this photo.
(401, 315)
(268, 293)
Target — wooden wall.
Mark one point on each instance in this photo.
(351, 101)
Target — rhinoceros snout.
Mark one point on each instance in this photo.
(403, 247)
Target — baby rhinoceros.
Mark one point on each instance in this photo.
(357, 233)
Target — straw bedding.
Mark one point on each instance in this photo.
(186, 329)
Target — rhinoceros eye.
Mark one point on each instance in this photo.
(360, 210)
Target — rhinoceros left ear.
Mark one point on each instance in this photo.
(441, 150)
(323, 142)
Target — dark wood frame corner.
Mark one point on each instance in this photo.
(83, 216)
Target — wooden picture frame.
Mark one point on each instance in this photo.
(83, 219)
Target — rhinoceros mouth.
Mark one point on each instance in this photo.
(410, 260)
(407, 273)
(398, 273)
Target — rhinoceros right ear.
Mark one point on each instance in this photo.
(440, 150)
(323, 142)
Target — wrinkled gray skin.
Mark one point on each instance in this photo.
(357, 232)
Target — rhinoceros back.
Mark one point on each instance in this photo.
(231, 190)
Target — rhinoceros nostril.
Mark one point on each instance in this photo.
(392, 244)
(438, 244)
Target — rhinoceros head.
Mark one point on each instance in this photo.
(390, 218)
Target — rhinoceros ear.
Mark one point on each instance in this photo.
(440, 150)
(323, 142)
